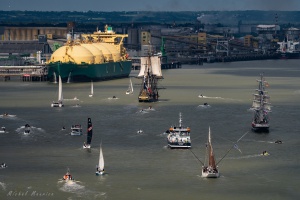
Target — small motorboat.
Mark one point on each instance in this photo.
(68, 176)
(76, 129)
(278, 142)
(27, 129)
(3, 165)
(265, 153)
(140, 131)
(3, 129)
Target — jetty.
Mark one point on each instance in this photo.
(24, 73)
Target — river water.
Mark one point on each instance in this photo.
(140, 166)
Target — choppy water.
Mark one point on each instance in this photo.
(139, 166)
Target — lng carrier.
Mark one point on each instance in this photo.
(97, 56)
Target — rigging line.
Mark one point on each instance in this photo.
(232, 147)
(196, 157)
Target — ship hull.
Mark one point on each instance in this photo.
(87, 72)
(295, 55)
(260, 127)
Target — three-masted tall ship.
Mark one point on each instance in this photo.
(150, 72)
(261, 106)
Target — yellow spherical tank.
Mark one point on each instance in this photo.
(106, 52)
(99, 58)
(75, 53)
(115, 53)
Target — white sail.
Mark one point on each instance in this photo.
(130, 88)
(60, 95)
(156, 66)
(92, 89)
(101, 160)
(145, 64)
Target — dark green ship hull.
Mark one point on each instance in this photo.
(87, 72)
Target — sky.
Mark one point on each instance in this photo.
(149, 5)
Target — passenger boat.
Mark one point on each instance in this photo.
(210, 169)
(179, 136)
(76, 129)
(261, 106)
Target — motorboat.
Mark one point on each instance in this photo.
(76, 129)
(3, 129)
(27, 129)
(179, 136)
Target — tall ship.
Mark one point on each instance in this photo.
(261, 106)
(288, 49)
(97, 56)
(150, 73)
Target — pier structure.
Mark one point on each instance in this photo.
(25, 73)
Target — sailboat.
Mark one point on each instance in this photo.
(261, 106)
(92, 89)
(100, 166)
(210, 170)
(150, 72)
(59, 103)
(87, 145)
(130, 88)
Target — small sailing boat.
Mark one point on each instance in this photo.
(130, 88)
(100, 166)
(261, 106)
(210, 170)
(87, 145)
(59, 103)
(92, 89)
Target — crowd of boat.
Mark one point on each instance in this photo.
(178, 136)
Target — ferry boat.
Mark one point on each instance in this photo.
(98, 56)
(76, 129)
(179, 136)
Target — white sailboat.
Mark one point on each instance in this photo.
(100, 166)
(59, 103)
(130, 88)
(92, 89)
(210, 170)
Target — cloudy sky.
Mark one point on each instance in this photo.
(149, 5)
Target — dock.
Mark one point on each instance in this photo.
(24, 73)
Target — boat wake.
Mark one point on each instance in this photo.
(72, 187)
(112, 98)
(204, 106)
(245, 157)
(206, 97)
(74, 99)
(7, 116)
(3, 186)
